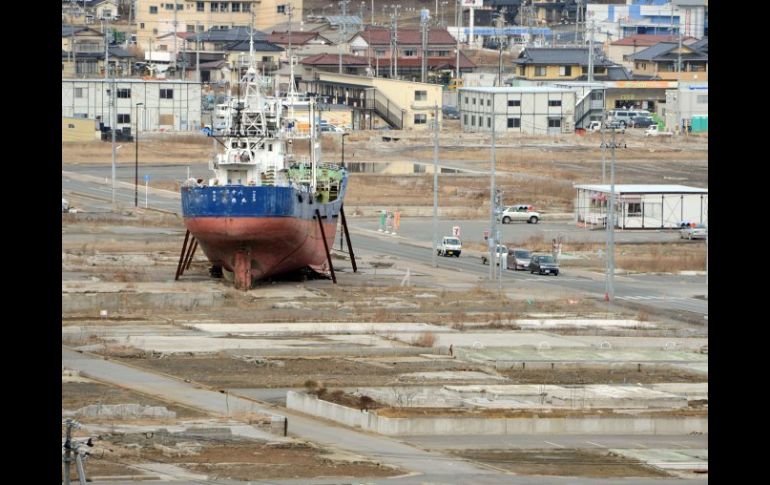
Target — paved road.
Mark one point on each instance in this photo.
(382, 449)
(693, 442)
(674, 294)
(430, 479)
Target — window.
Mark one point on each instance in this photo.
(466, 100)
(473, 120)
(554, 102)
(124, 93)
(514, 102)
(267, 59)
(180, 6)
(489, 122)
(489, 102)
(597, 95)
(166, 94)
(235, 7)
(245, 7)
(540, 71)
(281, 8)
(169, 6)
(420, 119)
(223, 6)
(200, 28)
(154, 31)
(565, 71)
(141, 25)
(634, 209)
(270, 147)
(410, 53)
(514, 122)
(702, 99)
(214, 6)
(465, 119)
(190, 28)
(420, 95)
(163, 47)
(200, 7)
(70, 125)
(79, 92)
(124, 118)
(554, 122)
(473, 100)
(80, 115)
(153, 10)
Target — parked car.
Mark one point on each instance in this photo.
(544, 264)
(595, 126)
(700, 231)
(451, 113)
(501, 250)
(450, 246)
(653, 130)
(329, 128)
(621, 116)
(641, 122)
(519, 258)
(521, 212)
(616, 125)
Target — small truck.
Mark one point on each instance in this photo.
(654, 131)
(450, 246)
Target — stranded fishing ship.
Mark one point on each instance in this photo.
(265, 211)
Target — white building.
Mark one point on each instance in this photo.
(168, 105)
(642, 206)
(685, 102)
(657, 17)
(532, 110)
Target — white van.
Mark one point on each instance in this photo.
(622, 116)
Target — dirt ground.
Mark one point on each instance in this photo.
(571, 463)
(646, 375)
(231, 372)
(243, 460)
(76, 395)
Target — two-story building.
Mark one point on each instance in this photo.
(565, 64)
(619, 49)
(669, 61)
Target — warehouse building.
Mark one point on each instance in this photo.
(166, 105)
(533, 110)
(642, 206)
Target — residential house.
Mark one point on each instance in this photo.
(266, 55)
(82, 49)
(668, 61)
(355, 65)
(565, 64)
(106, 9)
(617, 50)
(298, 39)
(157, 17)
(374, 42)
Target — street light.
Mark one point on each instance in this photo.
(136, 159)
(343, 148)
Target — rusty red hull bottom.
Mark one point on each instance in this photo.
(259, 247)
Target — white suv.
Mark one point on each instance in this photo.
(519, 212)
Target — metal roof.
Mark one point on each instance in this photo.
(644, 189)
(559, 55)
(517, 90)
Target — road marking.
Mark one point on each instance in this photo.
(596, 444)
(555, 444)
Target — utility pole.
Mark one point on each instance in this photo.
(372, 12)
(499, 23)
(136, 158)
(435, 182)
(176, 52)
(459, 24)
(591, 54)
(197, 53)
(343, 29)
(610, 295)
(603, 146)
(113, 125)
(424, 38)
(492, 193)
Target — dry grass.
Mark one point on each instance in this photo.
(425, 339)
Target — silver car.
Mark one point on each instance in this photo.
(700, 231)
(519, 258)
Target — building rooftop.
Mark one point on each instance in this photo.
(644, 189)
(259, 46)
(381, 36)
(118, 80)
(297, 37)
(234, 34)
(664, 51)
(517, 90)
(559, 55)
(646, 40)
(334, 59)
